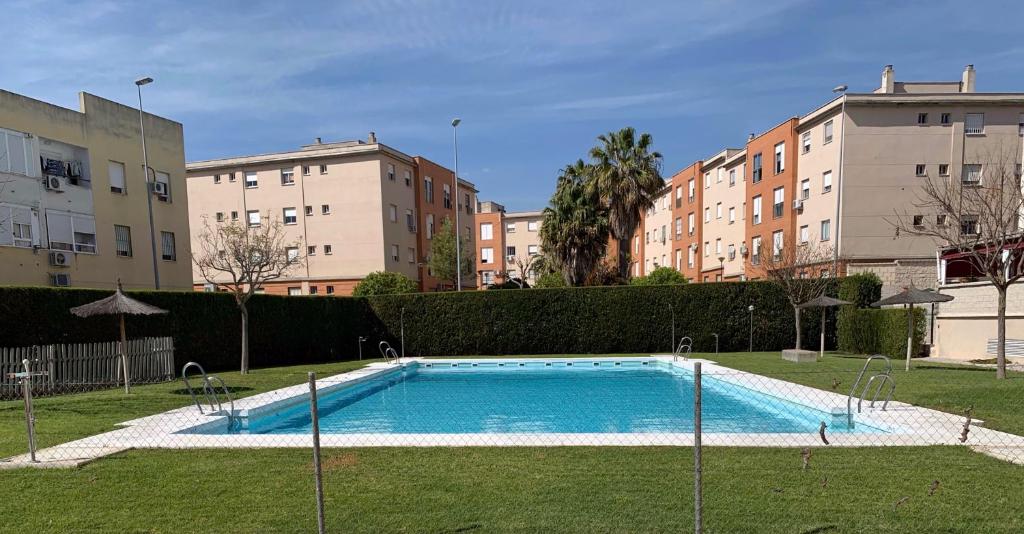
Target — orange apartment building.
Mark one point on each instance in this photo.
(771, 163)
(505, 243)
(350, 207)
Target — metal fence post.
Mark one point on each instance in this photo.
(316, 454)
(698, 504)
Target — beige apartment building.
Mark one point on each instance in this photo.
(656, 229)
(506, 243)
(723, 216)
(73, 206)
(349, 207)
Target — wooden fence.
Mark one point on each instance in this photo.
(84, 366)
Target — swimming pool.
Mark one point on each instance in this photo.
(538, 397)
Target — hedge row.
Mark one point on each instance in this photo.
(290, 330)
(873, 331)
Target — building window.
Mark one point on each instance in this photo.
(391, 172)
(918, 220)
(922, 118)
(510, 228)
(533, 250)
(780, 157)
(755, 174)
(410, 220)
(972, 174)
(216, 178)
(690, 257)
(826, 230)
(777, 244)
(827, 133)
(325, 209)
(123, 240)
(692, 190)
(466, 204)
(707, 180)
(707, 249)
(940, 220)
(312, 290)
(945, 118)
(305, 170)
(755, 250)
(486, 255)
(15, 153)
(232, 176)
(294, 291)
(531, 226)
(167, 246)
(394, 253)
(487, 277)
(428, 189)
(447, 196)
(311, 250)
(718, 246)
(234, 215)
(974, 123)
(290, 216)
(732, 214)
(920, 170)
(410, 254)
(805, 142)
(707, 215)
(287, 176)
(805, 188)
(943, 169)
(251, 180)
(486, 231)
(309, 211)
(804, 234)
(408, 178)
(164, 179)
(757, 210)
(430, 226)
(220, 216)
(328, 250)
(718, 210)
(679, 196)
(778, 199)
(826, 181)
(732, 177)
(969, 225)
(510, 251)
(115, 171)
(253, 217)
(393, 213)
(292, 254)
(330, 290)
(323, 169)
(1020, 124)
(691, 223)
(679, 227)
(731, 252)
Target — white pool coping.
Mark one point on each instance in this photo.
(905, 425)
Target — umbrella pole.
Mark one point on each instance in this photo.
(910, 332)
(821, 354)
(124, 356)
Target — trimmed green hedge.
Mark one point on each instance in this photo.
(872, 331)
(289, 330)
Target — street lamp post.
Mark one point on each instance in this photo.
(455, 205)
(751, 310)
(839, 90)
(672, 344)
(149, 186)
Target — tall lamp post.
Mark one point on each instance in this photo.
(455, 205)
(149, 186)
(839, 90)
(751, 310)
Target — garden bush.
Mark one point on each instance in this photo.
(863, 330)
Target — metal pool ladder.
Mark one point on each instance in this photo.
(684, 349)
(884, 378)
(209, 392)
(389, 354)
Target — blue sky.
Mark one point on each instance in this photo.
(534, 81)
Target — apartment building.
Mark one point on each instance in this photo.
(434, 204)
(350, 208)
(73, 196)
(656, 228)
(840, 174)
(506, 242)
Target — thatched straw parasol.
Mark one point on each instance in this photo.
(822, 302)
(908, 297)
(120, 305)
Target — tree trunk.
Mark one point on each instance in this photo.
(796, 311)
(245, 339)
(1001, 335)
(623, 258)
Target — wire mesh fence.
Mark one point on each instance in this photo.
(512, 402)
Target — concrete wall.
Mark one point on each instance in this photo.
(965, 324)
(99, 133)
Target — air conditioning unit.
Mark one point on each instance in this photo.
(160, 189)
(53, 183)
(743, 250)
(798, 204)
(60, 258)
(60, 279)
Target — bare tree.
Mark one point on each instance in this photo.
(240, 259)
(524, 264)
(802, 271)
(977, 214)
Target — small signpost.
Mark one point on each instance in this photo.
(30, 420)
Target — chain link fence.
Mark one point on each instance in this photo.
(519, 402)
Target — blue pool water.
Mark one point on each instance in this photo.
(536, 398)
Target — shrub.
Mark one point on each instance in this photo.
(662, 276)
(512, 283)
(874, 331)
(861, 289)
(550, 280)
(384, 283)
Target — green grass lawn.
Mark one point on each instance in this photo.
(610, 489)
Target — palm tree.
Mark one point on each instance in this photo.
(574, 232)
(627, 177)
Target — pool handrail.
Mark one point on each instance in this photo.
(389, 354)
(209, 391)
(685, 344)
(884, 377)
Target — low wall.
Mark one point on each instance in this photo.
(965, 324)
